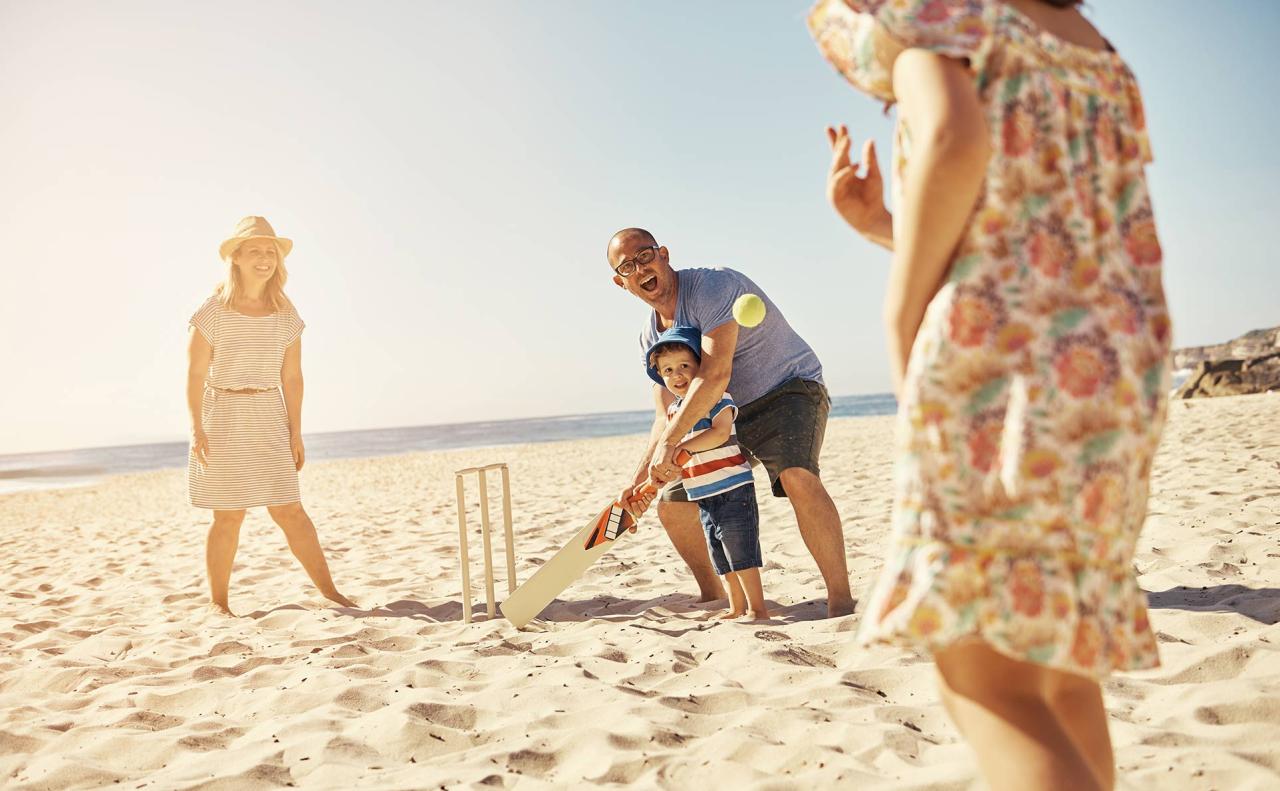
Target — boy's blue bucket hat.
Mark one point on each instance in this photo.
(679, 333)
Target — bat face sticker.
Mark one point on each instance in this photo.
(611, 523)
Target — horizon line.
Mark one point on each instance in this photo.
(10, 454)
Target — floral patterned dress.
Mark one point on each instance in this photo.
(1036, 388)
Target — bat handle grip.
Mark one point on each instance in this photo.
(651, 486)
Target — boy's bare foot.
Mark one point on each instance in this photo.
(728, 614)
(219, 608)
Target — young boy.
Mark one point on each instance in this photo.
(717, 476)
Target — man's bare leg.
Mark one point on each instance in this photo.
(683, 527)
(822, 533)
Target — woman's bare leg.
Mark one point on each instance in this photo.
(1003, 708)
(219, 555)
(305, 545)
(1077, 702)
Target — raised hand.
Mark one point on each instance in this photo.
(859, 200)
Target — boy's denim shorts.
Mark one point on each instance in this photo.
(731, 521)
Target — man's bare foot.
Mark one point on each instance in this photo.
(729, 614)
(334, 596)
(841, 606)
(714, 594)
(219, 608)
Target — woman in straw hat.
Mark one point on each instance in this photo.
(244, 392)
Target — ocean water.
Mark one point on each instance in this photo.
(25, 471)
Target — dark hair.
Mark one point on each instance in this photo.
(667, 348)
(1062, 3)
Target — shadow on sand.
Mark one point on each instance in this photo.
(1260, 604)
(673, 614)
(404, 608)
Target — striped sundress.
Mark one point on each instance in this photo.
(249, 460)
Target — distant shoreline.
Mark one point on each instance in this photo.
(84, 466)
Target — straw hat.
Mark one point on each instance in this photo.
(253, 228)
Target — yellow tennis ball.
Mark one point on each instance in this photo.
(748, 310)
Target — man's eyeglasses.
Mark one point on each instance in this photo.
(629, 266)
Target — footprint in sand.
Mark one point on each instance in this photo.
(150, 721)
(207, 672)
(621, 742)
(622, 773)
(394, 644)
(362, 699)
(452, 670)
(671, 739)
(459, 718)
(765, 634)
(1219, 666)
(177, 597)
(613, 655)
(797, 655)
(532, 762)
(712, 703)
(1258, 710)
(35, 627)
(209, 742)
(13, 744)
(230, 647)
(348, 751)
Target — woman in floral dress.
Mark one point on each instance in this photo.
(1029, 339)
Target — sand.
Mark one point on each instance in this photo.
(113, 673)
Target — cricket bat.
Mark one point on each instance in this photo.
(575, 557)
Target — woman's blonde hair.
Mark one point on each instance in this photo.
(230, 289)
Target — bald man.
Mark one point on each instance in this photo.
(777, 381)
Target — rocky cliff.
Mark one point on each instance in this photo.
(1252, 344)
(1248, 364)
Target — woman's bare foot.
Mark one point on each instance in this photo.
(220, 608)
(334, 596)
(760, 615)
(729, 614)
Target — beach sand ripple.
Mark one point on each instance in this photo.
(114, 674)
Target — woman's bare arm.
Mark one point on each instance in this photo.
(939, 103)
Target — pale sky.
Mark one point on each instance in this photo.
(451, 172)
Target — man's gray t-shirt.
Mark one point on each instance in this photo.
(767, 355)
